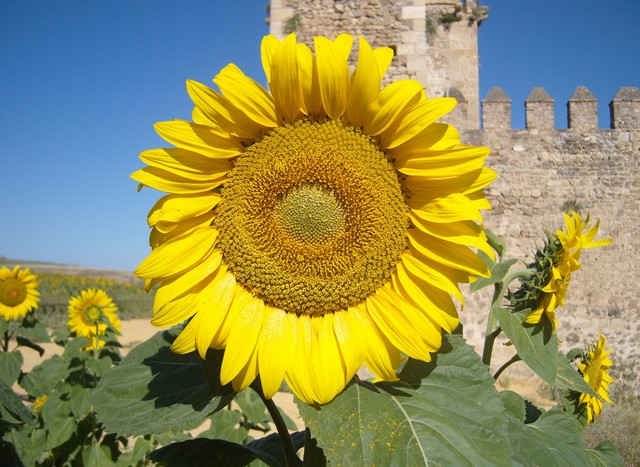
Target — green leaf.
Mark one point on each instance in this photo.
(605, 455)
(96, 456)
(137, 455)
(34, 331)
(45, 376)
(209, 452)
(496, 242)
(154, 390)
(442, 413)
(535, 345)
(568, 377)
(10, 365)
(80, 401)
(225, 425)
(555, 439)
(313, 454)
(13, 404)
(56, 414)
(252, 406)
(514, 405)
(24, 342)
(498, 273)
(29, 444)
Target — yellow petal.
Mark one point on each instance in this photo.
(177, 208)
(327, 365)
(186, 164)
(166, 231)
(275, 350)
(416, 268)
(435, 303)
(171, 183)
(247, 374)
(178, 254)
(186, 340)
(351, 342)
(285, 80)
(382, 358)
(396, 328)
(298, 375)
(268, 46)
(247, 96)
(416, 120)
(461, 233)
(203, 139)
(452, 208)
(216, 110)
(173, 287)
(365, 84)
(391, 104)
(241, 299)
(435, 137)
(242, 340)
(423, 191)
(383, 56)
(333, 75)
(213, 303)
(449, 254)
(308, 72)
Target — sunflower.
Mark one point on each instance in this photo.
(91, 313)
(314, 228)
(560, 258)
(576, 238)
(18, 292)
(594, 368)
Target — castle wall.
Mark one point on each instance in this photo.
(543, 170)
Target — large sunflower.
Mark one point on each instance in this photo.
(18, 292)
(316, 228)
(594, 368)
(564, 250)
(90, 314)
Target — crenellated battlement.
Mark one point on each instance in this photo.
(582, 110)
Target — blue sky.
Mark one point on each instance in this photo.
(84, 81)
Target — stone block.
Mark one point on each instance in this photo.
(582, 110)
(539, 113)
(496, 110)
(413, 12)
(625, 109)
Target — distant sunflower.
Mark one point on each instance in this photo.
(317, 227)
(18, 292)
(39, 402)
(594, 368)
(91, 313)
(563, 253)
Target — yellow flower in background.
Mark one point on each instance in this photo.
(317, 227)
(95, 344)
(91, 313)
(576, 237)
(18, 292)
(39, 402)
(595, 368)
(567, 260)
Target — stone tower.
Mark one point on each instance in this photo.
(435, 41)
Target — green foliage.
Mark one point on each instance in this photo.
(155, 391)
(443, 413)
(292, 24)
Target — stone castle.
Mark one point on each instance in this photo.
(543, 170)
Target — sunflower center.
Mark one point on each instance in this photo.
(311, 214)
(313, 218)
(92, 314)
(12, 291)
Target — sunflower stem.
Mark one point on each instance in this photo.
(5, 344)
(515, 358)
(291, 459)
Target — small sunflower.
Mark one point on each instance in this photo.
(594, 368)
(91, 313)
(18, 292)
(560, 258)
(576, 237)
(39, 402)
(317, 227)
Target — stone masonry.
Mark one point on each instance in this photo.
(542, 170)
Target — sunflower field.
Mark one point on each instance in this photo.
(312, 240)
